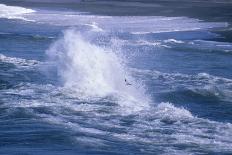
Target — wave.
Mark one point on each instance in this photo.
(162, 123)
(26, 36)
(173, 41)
(92, 71)
(95, 27)
(130, 24)
(170, 77)
(201, 84)
(156, 43)
(14, 12)
(170, 125)
(201, 46)
(224, 47)
(18, 62)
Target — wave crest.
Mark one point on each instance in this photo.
(13, 12)
(19, 62)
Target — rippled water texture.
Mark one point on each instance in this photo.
(77, 83)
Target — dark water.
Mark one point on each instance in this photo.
(63, 89)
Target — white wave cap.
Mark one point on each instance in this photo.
(13, 12)
(19, 62)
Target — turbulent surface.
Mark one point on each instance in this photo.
(77, 83)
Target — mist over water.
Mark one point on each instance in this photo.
(112, 85)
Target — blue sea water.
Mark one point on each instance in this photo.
(63, 90)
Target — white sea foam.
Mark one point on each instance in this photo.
(14, 12)
(224, 47)
(169, 125)
(173, 41)
(202, 83)
(168, 112)
(147, 43)
(92, 75)
(163, 123)
(93, 71)
(95, 27)
(18, 62)
(131, 24)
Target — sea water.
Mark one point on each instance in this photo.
(73, 82)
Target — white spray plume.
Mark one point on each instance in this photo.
(93, 71)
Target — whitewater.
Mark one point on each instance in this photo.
(73, 82)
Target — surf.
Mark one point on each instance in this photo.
(14, 12)
(95, 72)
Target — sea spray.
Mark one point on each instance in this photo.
(95, 72)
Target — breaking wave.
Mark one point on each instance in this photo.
(163, 124)
(201, 84)
(13, 12)
(18, 62)
(95, 72)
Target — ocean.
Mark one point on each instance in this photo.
(114, 77)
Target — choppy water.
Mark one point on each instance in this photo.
(63, 89)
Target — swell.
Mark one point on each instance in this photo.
(93, 121)
(12, 68)
(201, 84)
(95, 104)
(222, 48)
